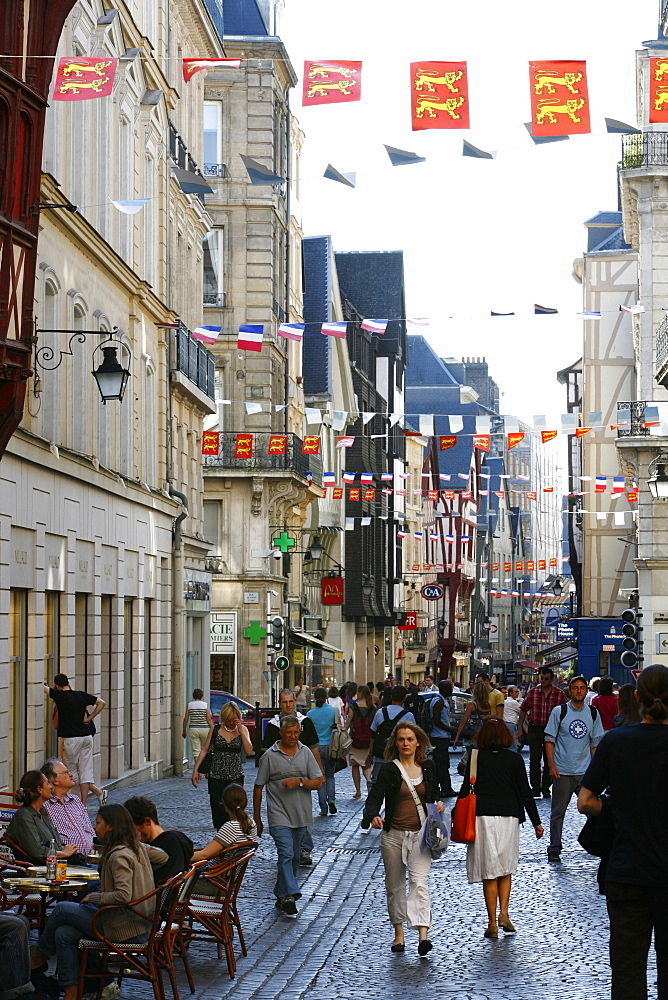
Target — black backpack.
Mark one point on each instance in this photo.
(384, 730)
(424, 712)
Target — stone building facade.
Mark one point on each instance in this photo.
(102, 565)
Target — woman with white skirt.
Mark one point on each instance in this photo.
(502, 796)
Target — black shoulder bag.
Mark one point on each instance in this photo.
(207, 761)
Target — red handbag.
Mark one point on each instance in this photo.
(463, 816)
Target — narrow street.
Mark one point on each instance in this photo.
(338, 946)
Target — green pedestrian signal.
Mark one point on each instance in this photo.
(281, 663)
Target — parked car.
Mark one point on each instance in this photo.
(219, 698)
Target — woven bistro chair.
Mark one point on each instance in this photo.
(143, 961)
(217, 914)
(170, 939)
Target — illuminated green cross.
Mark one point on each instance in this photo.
(284, 542)
(255, 632)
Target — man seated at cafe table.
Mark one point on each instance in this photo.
(66, 811)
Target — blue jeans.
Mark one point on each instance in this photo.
(289, 841)
(66, 926)
(377, 764)
(512, 726)
(327, 792)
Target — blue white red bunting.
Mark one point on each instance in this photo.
(207, 334)
(250, 338)
(334, 329)
(374, 325)
(293, 331)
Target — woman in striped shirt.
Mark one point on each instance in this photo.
(198, 722)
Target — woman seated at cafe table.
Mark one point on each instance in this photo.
(125, 875)
(31, 828)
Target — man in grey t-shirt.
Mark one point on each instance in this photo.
(290, 773)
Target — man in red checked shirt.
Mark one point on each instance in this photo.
(537, 705)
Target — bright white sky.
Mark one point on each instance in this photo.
(477, 235)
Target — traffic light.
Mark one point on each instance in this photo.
(632, 642)
(277, 632)
(281, 663)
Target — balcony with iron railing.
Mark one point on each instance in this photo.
(635, 420)
(644, 149)
(261, 460)
(192, 359)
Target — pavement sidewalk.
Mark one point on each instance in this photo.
(338, 945)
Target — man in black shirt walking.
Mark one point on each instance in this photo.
(74, 718)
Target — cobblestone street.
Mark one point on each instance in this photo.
(338, 946)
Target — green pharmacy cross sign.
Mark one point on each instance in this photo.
(255, 633)
(284, 542)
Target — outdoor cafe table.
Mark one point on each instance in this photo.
(45, 887)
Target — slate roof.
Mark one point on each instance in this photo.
(430, 387)
(605, 219)
(373, 282)
(425, 367)
(611, 241)
(318, 263)
(243, 17)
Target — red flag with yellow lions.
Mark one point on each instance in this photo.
(658, 90)
(439, 95)
(559, 97)
(79, 78)
(331, 82)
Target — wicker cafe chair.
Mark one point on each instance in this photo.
(218, 914)
(141, 961)
(170, 938)
(30, 904)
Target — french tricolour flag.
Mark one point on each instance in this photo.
(366, 477)
(207, 334)
(374, 325)
(433, 536)
(328, 478)
(592, 314)
(293, 331)
(634, 310)
(618, 484)
(349, 477)
(601, 483)
(386, 477)
(334, 329)
(401, 533)
(449, 538)
(418, 535)
(250, 338)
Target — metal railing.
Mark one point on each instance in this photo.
(215, 170)
(293, 459)
(644, 149)
(631, 418)
(214, 299)
(662, 343)
(194, 361)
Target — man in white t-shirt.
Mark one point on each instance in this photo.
(511, 711)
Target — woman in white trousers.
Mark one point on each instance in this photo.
(405, 783)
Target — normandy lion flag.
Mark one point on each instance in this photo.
(559, 97)
(332, 81)
(192, 66)
(439, 95)
(80, 78)
(658, 90)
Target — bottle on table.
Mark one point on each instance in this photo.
(51, 861)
